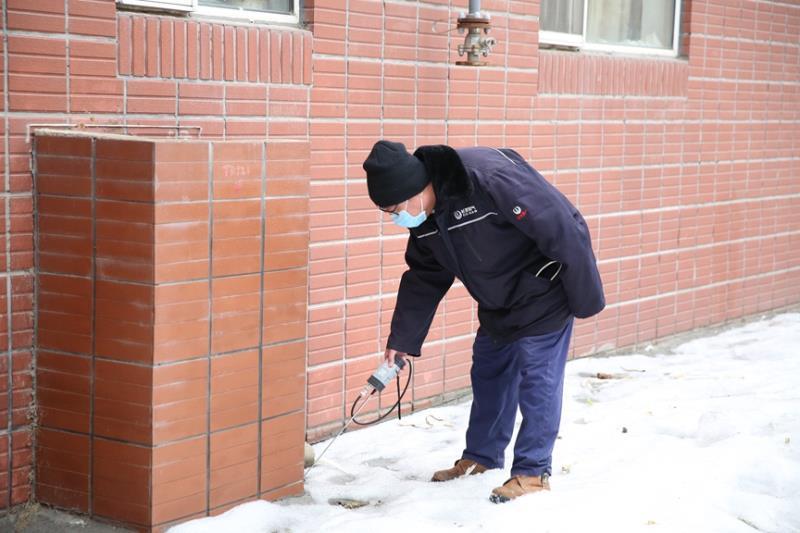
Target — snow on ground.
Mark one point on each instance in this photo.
(703, 439)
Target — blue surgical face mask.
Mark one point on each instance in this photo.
(407, 220)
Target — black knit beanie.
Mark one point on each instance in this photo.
(393, 175)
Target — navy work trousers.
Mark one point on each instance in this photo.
(528, 373)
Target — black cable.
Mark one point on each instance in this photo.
(395, 406)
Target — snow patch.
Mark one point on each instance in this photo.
(706, 438)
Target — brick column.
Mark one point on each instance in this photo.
(171, 297)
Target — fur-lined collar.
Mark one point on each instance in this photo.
(446, 170)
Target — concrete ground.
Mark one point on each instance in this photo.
(35, 518)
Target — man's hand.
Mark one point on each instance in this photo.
(391, 355)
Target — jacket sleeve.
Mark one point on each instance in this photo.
(560, 232)
(422, 287)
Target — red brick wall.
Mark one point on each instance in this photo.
(83, 61)
(690, 161)
(687, 169)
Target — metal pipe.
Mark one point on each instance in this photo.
(476, 25)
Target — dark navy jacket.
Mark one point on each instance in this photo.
(520, 248)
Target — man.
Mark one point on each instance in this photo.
(524, 253)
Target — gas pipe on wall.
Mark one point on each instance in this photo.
(476, 43)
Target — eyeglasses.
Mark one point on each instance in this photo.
(393, 210)
(397, 208)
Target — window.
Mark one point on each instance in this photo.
(631, 26)
(167, 5)
(267, 10)
(275, 10)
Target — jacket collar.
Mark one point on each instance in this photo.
(447, 172)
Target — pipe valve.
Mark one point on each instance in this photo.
(476, 43)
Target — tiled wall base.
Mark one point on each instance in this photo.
(171, 305)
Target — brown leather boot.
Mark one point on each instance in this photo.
(519, 486)
(462, 467)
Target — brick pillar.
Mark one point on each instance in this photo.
(172, 295)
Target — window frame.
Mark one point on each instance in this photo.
(184, 6)
(194, 9)
(579, 41)
(253, 16)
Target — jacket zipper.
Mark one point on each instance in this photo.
(474, 251)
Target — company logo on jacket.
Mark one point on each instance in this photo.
(467, 211)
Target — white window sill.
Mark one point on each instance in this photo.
(611, 48)
(189, 8)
